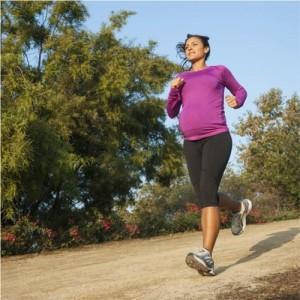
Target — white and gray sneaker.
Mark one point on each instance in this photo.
(201, 261)
(238, 222)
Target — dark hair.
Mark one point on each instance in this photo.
(180, 47)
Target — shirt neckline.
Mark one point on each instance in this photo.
(199, 70)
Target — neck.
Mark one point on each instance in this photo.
(198, 65)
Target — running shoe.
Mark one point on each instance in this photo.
(201, 261)
(238, 222)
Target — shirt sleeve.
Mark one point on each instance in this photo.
(174, 102)
(234, 87)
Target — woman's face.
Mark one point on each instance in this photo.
(194, 49)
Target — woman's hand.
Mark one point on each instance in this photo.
(231, 101)
(177, 82)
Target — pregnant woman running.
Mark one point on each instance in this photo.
(207, 141)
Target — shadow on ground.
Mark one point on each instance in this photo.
(275, 240)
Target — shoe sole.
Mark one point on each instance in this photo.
(196, 264)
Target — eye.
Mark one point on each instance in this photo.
(194, 44)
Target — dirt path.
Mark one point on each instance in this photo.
(153, 268)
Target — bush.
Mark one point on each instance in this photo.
(225, 218)
(184, 221)
(148, 219)
(25, 237)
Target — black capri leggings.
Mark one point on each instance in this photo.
(206, 161)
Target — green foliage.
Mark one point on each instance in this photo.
(165, 210)
(233, 183)
(152, 216)
(81, 122)
(185, 221)
(26, 237)
(272, 156)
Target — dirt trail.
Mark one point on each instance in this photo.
(152, 268)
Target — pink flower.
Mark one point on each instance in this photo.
(106, 223)
(10, 237)
(192, 207)
(257, 215)
(74, 232)
(132, 228)
(255, 212)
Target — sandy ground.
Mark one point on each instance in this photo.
(152, 268)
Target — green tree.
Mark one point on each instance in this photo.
(33, 150)
(233, 183)
(83, 123)
(272, 157)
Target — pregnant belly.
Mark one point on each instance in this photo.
(200, 119)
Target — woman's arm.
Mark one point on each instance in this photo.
(173, 102)
(234, 87)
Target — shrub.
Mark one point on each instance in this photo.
(24, 237)
(183, 221)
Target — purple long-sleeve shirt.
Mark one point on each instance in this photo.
(201, 97)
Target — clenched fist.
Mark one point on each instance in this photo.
(177, 82)
(231, 101)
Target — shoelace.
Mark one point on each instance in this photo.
(207, 258)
